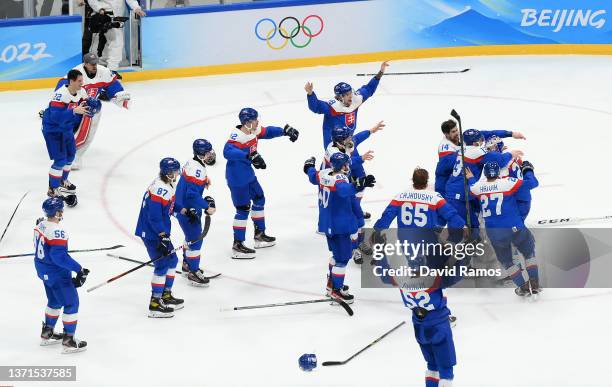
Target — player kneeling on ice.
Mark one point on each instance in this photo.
(338, 220)
(189, 190)
(60, 119)
(247, 195)
(54, 267)
(505, 226)
(153, 228)
(344, 141)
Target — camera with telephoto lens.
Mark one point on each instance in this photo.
(101, 23)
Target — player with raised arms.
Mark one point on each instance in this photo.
(247, 195)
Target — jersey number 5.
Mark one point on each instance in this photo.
(416, 214)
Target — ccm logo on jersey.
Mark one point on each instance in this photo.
(559, 18)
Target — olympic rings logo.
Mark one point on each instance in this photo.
(295, 30)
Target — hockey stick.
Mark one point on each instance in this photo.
(13, 215)
(150, 264)
(564, 221)
(204, 232)
(343, 304)
(421, 73)
(334, 363)
(468, 221)
(69, 251)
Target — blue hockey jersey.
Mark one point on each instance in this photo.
(357, 169)
(51, 257)
(336, 114)
(336, 197)
(239, 170)
(59, 116)
(498, 201)
(157, 206)
(191, 185)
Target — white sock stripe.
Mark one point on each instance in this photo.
(240, 222)
(192, 253)
(170, 271)
(53, 312)
(55, 172)
(432, 374)
(69, 317)
(257, 214)
(338, 270)
(531, 262)
(158, 279)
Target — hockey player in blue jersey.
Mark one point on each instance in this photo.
(345, 141)
(189, 191)
(154, 227)
(60, 119)
(418, 209)
(505, 226)
(338, 220)
(446, 155)
(54, 266)
(342, 110)
(247, 195)
(475, 152)
(517, 168)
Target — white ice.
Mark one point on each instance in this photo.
(561, 103)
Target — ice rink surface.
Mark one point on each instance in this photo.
(563, 104)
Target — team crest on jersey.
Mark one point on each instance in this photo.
(349, 119)
(92, 92)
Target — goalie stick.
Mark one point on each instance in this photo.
(150, 264)
(13, 215)
(334, 363)
(421, 73)
(343, 304)
(202, 236)
(69, 251)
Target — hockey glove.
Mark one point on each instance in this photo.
(310, 163)
(527, 166)
(80, 278)
(122, 99)
(164, 246)
(365, 181)
(257, 161)
(192, 214)
(291, 132)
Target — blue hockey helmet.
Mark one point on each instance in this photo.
(201, 147)
(94, 105)
(338, 160)
(308, 362)
(495, 144)
(342, 88)
(341, 133)
(247, 114)
(471, 136)
(52, 206)
(491, 170)
(169, 165)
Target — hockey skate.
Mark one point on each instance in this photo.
(367, 215)
(240, 251)
(171, 301)
(71, 344)
(159, 309)
(68, 186)
(523, 290)
(262, 240)
(328, 288)
(49, 337)
(342, 295)
(452, 320)
(185, 268)
(357, 256)
(535, 286)
(196, 278)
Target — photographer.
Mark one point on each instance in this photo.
(104, 21)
